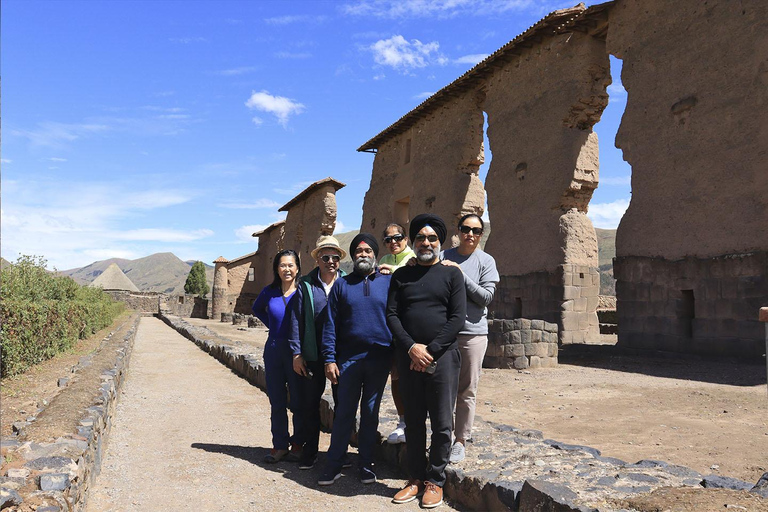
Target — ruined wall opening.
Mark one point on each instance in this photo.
(483, 174)
(517, 311)
(611, 198)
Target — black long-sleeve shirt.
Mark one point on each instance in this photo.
(427, 305)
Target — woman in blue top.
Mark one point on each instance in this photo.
(271, 307)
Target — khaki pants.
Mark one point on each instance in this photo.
(472, 350)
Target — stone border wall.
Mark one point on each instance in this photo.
(65, 469)
(514, 469)
(521, 343)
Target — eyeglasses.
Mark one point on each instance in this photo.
(467, 229)
(330, 257)
(432, 238)
(393, 238)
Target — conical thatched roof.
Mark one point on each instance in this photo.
(114, 279)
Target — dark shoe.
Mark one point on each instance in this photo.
(275, 456)
(412, 490)
(347, 462)
(307, 462)
(367, 476)
(433, 496)
(295, 454)
(329, 477)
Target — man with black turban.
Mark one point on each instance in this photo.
(357, 349)
(426, 309)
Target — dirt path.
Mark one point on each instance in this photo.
(709, 415)
(190, 435)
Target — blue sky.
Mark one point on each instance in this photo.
(135, 127)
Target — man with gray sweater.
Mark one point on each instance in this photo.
(480, 279)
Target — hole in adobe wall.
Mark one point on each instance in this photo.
(518, 308)
(687, 312)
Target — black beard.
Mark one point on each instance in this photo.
(363, 266)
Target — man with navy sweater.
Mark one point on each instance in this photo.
(357, 346)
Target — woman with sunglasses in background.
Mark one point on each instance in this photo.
(399, 254)
(273, 307)
(480, 279)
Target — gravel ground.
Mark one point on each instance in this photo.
(190, 435)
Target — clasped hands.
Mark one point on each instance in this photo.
(420, 357)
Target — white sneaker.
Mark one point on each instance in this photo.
(457, 453)
(398, 435)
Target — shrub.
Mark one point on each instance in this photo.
(44, 314)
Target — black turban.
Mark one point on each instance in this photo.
(367, 238)
(428, 219)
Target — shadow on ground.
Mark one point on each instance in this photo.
(348, 485)
(674, 366)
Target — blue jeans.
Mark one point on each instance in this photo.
(360, 382)
(282, 380)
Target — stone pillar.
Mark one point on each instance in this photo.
(220, 287)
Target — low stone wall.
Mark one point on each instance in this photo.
(693, 305)
(145, 302)
(63, 471)
(512, 469)
(521, 343)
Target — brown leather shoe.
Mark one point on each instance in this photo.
(412, 490)
(433, 496)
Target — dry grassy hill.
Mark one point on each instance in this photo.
(162, 272)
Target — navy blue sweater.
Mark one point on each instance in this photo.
(356, 323)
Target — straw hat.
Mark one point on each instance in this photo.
(328, 242)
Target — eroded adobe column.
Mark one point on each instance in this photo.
(220, 287)
(541, 108)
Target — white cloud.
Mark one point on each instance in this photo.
(5, 160)
(294, 189)
(340, 227)
(380, 76)
(187, 40)
(57, 159)
(244, 234)
(607, 215)
(257, 120)
(257, 204)
(617, 180)
(616, 93)
(41, 218)
(281, 107)
(404, 55)
(423, 95)
(287, 20)
(471, 59)
(290, 55)
(56, 135)
(235, 71)
(435, 8)
(163, 235)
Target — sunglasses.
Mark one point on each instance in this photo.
(330, 257)
(393, 238)
(432, 238)
(467, 229)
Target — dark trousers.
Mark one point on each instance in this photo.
(311, 393)
(281, 379)
(360, 382)
(434, 394)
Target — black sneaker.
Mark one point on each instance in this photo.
(307, 462)
(329, 477)
(367, 476)
(347, 462)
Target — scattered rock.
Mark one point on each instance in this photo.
(54, 481)
(761, 487)
(9, 498)
(725, 482)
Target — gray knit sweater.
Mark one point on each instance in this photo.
(480, 278)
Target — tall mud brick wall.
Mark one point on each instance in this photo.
(430, 167)
(541, 108)
(692, 250)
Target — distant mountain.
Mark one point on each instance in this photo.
(606, 251)
(162, 272)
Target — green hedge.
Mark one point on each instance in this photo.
(44, 314)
